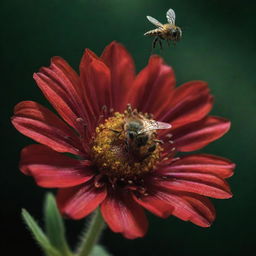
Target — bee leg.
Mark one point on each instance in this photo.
(129, 109)
(154, 42)
(152, 148)
(161, 45)
(115, 131)
(159, 141)
(127, 148)
(168, 42)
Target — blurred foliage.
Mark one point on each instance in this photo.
(218, 46)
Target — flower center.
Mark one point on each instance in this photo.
(125, 145)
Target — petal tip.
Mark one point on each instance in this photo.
(89, 55)
(114, 43)
(57, 59)
(156, 59)
(115, 47)
(36, 75)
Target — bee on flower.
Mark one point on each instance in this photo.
(126, 131)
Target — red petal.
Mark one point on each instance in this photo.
(67, 74)
(60, 85)
(202, 163)
(122, 70)
(124, 215)
(53, 170)
(153, 87)
(199, 134)
(189, 207)
(41, 125)
(190, 109)
(95, 76)
(203, 205)
(77, 202)
(198, 183)
(186, 90)
(154, 205)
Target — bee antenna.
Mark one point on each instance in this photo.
(129, 108)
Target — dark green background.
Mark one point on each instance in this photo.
(218, 46)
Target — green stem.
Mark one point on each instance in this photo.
(92, 234)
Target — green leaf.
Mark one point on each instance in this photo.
(39, 235)
(55, 228)
(98, 250)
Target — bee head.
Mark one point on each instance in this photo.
(132, 135)
(133, 129)
(176, 33)
(134, 126)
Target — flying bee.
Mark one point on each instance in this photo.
(168, 32)
(140, 131)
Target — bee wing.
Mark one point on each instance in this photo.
(170, 15)
(154, 125)
(154, 21)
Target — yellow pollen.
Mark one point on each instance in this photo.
(117, 155)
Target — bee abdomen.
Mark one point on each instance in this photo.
(154, 32)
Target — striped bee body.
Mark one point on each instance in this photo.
(154, 32)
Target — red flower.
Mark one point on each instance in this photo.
(118, 168)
